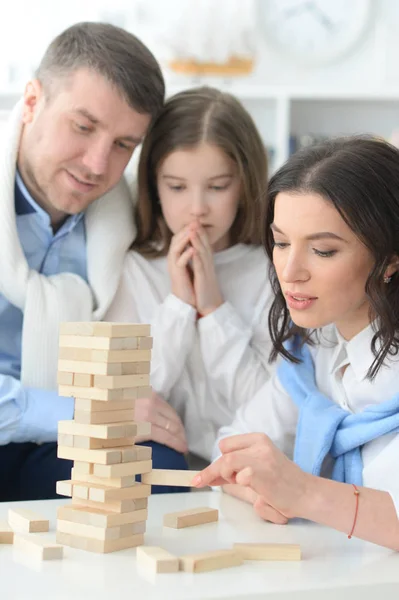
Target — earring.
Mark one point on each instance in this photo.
(387, 279)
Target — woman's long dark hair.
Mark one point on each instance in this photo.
(360, 177)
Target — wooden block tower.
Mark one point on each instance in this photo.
(105, 367)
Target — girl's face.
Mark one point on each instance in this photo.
(321, 265)
(200, 184)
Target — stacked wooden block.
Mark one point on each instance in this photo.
(105, 367)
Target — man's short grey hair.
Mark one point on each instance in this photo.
(119, 56)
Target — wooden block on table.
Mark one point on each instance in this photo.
(210, 561)
(38, 547)
(27, 521)
(104, 432)
(100, 533)
(83, 380)
(113, 382)
(93, 393)
(106, 356)
(104, 329)
(103, 405)
(137, 466)
(269, 551)
(170, 477)
(191, 517)
(115, 506)
(99, 546)
(64, 378)
(157, 560)
(116, 482)
(101, 493)
(6, 533)
(100, 518)
(103, 416)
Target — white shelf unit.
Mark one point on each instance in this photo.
(280, 112)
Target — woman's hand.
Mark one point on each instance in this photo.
(206, 287)
(252, 460)
(179, 256)
(166, 425)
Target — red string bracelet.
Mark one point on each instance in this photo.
(357, 494)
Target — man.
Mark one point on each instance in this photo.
(65, 225)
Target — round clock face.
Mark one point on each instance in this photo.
(314, 31)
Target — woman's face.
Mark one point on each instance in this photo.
(321, 265)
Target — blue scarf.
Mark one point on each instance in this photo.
(325, 428)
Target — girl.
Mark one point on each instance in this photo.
(332, 231)
(197, 271)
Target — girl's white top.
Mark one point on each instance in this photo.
(207, 368)
(341, 374)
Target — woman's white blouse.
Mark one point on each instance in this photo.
(341, 374)
(209, 367)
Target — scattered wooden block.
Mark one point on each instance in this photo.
(113, 382)
(27, 521)
(101, 493)
(100, 546)
(105, 356)
(6, 533)
(100, 343)
(136, 467)
(157, 560)
(100, 518)
(191, 517)
(269, 551)
(105, 329)
(38, 547)
(116, 506)
(103, 417)
(210, 561)
(170, 477)
(103, 405)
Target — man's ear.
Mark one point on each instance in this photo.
(32, 96)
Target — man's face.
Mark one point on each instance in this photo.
(76, 141)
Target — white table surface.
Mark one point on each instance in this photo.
(332, 568)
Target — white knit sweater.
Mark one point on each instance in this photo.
(47, 301)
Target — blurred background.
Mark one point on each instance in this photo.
(305, 69)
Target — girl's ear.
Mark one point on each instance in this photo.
(392, 268)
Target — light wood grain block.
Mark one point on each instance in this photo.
(93, 393)
(100, 518)
(100, 533)
(104, 432)
(106, 356)
(116, 482)
(136, 467)
(6, 533)
(145, 343)
(83, 467)
(96, 368)
(103, 405)
(101, 493)
(27, 521)
(105, 456)
(210, 561)
(113, 382)
(114, 506)
(83, 380)
(65, 378)
(191, 517)
(104, 329)
(89, 443)
(65, 439)
(157, 560)
(104, 416)
(269, 551)
(170, 477)
(38, 547)
(99, 546)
